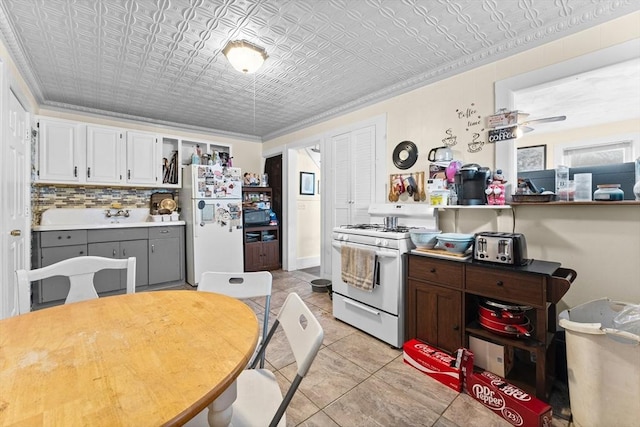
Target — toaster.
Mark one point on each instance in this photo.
(503, 248)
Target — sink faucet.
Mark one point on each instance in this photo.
(124, 213)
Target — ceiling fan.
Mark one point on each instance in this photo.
(525, 126)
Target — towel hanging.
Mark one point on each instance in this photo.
(359, 267)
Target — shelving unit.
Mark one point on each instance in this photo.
(442, 309)
(261, 243)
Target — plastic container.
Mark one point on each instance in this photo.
(562, 183)
(603, 365)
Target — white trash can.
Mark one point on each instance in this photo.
(603, 365)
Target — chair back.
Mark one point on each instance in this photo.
(303, 331)
(241, 286)
(80, 271)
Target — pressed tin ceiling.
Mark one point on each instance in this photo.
(161, 61)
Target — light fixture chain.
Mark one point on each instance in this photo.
(254, 104)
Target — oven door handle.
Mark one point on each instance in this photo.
(379, 254)
(361, 307)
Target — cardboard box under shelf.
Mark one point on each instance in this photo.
(492, 357)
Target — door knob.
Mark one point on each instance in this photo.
(16, 232)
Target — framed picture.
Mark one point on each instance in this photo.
(307, 183)
(532, 158)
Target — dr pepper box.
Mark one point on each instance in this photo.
(438, 365)
(507, 400)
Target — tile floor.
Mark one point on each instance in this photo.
(357, 380)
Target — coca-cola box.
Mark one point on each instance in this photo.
(511, 403)
(447, 369)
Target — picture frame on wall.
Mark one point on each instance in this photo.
(307, 183)
(532, 158)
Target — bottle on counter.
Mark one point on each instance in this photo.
(195, 157)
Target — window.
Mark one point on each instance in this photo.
(598, 154)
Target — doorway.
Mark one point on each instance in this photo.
(273, 169)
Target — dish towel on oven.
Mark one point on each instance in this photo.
(358, 267)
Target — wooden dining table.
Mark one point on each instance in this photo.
(143, 359)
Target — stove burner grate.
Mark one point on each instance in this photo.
(378, 227)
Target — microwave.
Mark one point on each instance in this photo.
(256, 217)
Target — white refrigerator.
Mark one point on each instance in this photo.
(211, 203)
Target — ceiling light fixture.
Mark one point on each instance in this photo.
(244, 56)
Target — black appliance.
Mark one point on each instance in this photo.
(471, 182)
(256, 217)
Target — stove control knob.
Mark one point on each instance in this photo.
(345, 237)
(382, 242)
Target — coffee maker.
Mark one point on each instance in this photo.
(471, 181)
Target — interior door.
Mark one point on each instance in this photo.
(16, 202)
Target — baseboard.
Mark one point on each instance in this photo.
(307, 262)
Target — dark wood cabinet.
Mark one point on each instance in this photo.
(261, 248)
(434, 298)
(437, 318)
(442, 309)
(261, 243)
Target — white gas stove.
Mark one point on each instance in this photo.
(381, 311)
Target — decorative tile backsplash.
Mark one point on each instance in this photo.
(44, 197)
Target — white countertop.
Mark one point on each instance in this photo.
(105, 226)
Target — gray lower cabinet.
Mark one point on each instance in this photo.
(118, 244)
(159, 253)
(51, 247)
(166, 259)
(113, 280)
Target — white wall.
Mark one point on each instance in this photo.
(602, 243)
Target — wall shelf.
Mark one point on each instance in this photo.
(593, 203)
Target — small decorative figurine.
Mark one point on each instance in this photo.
(495, 190)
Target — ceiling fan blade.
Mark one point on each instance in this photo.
(546, 120)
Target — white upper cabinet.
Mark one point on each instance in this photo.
(61, 152)
(105, 155)
(143, 159)
(71, 152)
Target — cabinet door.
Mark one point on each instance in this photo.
(353, 176)
(142, 165)
(270, 255)
(164, 260)
(363, 150)
(61, 157)
(105, 152)
(106, 280)
(252, 256)
(340, 145)
(138, 249)
(438, 315)
(57, 288)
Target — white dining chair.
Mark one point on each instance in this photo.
(242, 286)
(80, 271)
(258, 399)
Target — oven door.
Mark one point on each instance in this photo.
(386, 294)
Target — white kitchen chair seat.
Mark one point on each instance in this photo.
(259, 401)
(242, 286)
(80, 271)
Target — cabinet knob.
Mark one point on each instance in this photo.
(499, 283)
(81, 252)
(433, 270)
(456, 328)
